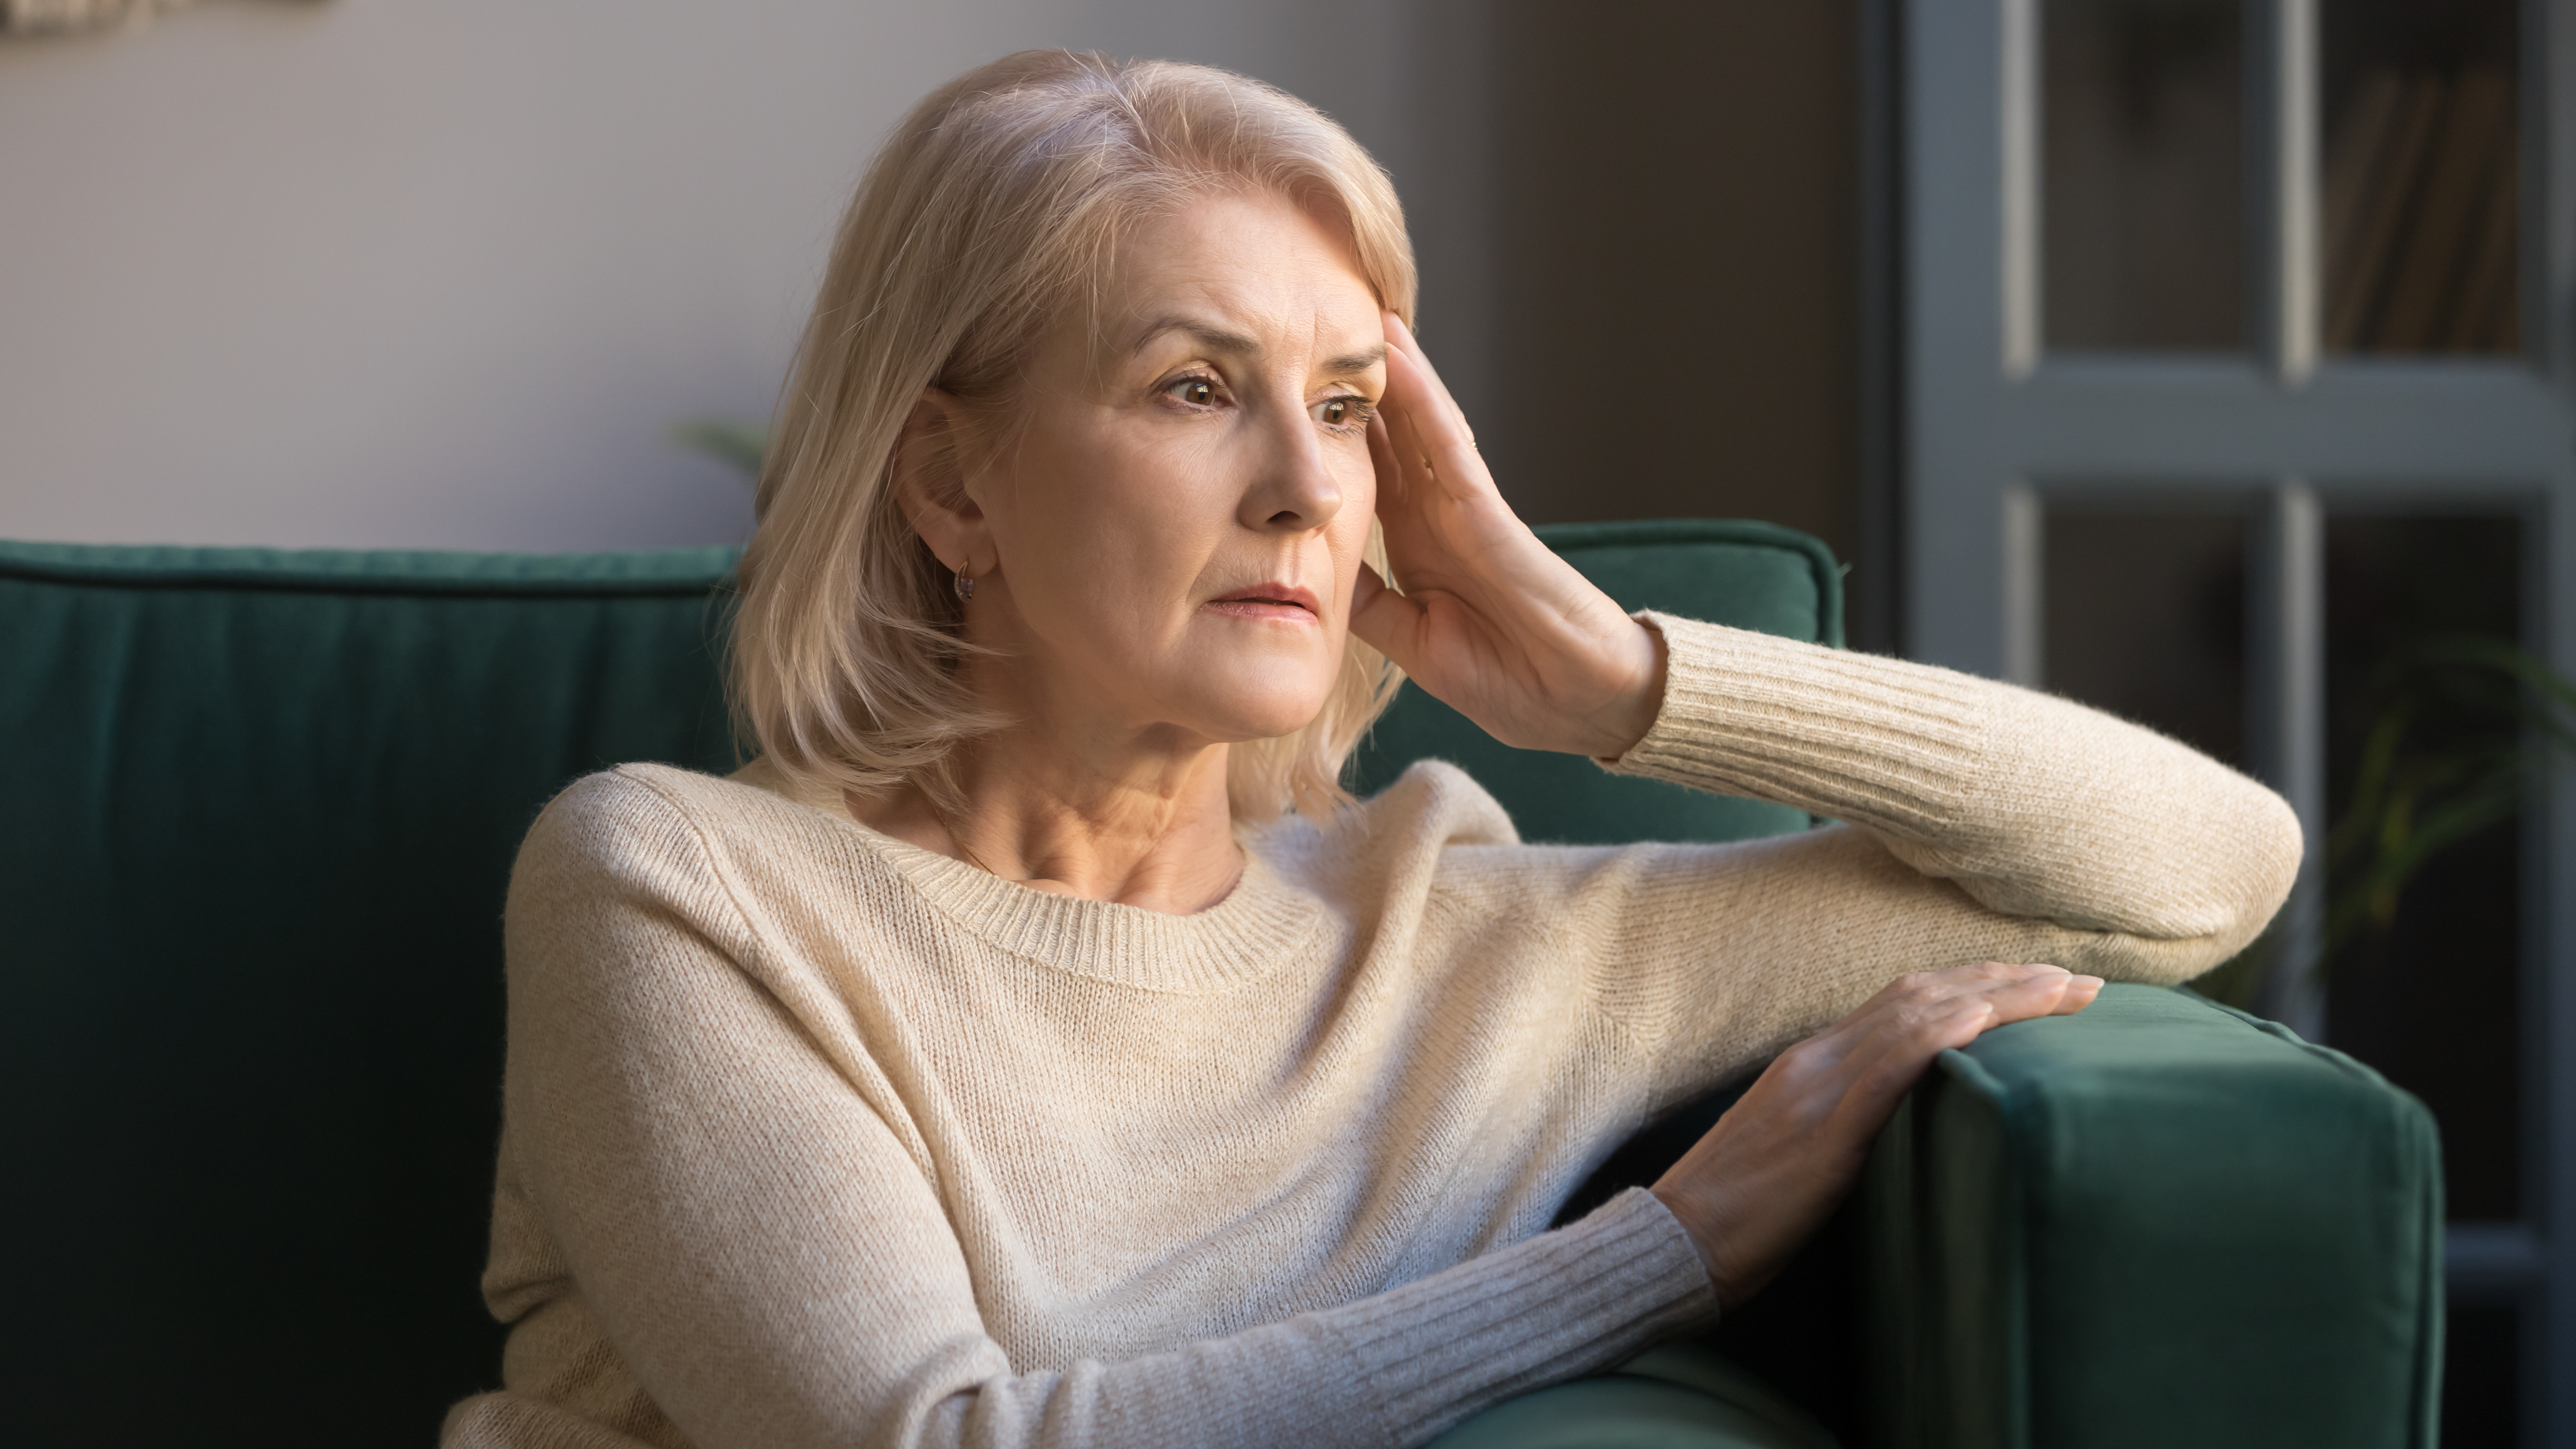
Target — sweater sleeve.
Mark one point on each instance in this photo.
(770, 1256)
(1981, 821)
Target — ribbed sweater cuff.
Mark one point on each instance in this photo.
(1859, 737)
(1583, 1298)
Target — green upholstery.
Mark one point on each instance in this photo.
(257, 810)
(2158, 1222)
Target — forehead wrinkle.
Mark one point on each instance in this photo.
(1228, 270)
(1331, 329)
(1206, 334)
(1232, 315)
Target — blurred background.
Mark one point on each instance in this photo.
(2208, 360)
(386, 273)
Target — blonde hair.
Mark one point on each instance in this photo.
(997, 205)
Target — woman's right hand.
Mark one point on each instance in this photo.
(1773, 1167)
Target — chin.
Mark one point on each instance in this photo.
(1262, 714)
(1243, 726)
(1253, 696)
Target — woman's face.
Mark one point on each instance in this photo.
(1175, 529)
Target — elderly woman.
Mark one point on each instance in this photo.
(1035, 1045)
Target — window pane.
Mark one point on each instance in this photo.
(2421, 186)
(2142, 174)
(2424, 977)
(2145, 617)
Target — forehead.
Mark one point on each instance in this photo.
(1255, 260)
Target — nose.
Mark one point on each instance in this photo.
(1293, 489)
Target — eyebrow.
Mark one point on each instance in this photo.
(1218, 339)
(1360, 361)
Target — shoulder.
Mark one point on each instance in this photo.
(628, 866)
(639, 806)
(1440, 803)
(1432, 806)
(1439, 840)
(653, 826)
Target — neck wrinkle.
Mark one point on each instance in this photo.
(1156, 835)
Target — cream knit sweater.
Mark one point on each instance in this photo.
(816, 1138)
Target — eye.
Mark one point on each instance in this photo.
(1343, 413)
(1198, 392)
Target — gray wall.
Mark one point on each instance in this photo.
(444, 273)
(1676, 257)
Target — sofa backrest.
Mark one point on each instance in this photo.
(257, 812)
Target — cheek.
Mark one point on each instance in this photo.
(1105, 539)
(1110, 539)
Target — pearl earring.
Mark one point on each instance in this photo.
(965, 585)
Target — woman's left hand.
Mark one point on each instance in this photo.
(1489, 619)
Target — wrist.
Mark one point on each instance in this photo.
(1686, 1214)
(1643, 702)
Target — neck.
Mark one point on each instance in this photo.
(1129, 822)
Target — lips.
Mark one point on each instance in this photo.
(1269, 601)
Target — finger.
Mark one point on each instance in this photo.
(1879, 1052)
(1932, 1011)
(1392, 483)
(1947, 982)
(1401, 336)
(2039, 994)
(1873, 1017)
(1408, 409)
(1921, 1015)
(2014, 980)
(2017, 1000)
(1428, 425)
(2080, 993)
(1385, 619)
(1977, 974)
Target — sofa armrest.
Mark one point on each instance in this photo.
(2157, 1222)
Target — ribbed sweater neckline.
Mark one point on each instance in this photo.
(1262, 923)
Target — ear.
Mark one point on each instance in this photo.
(930, 484)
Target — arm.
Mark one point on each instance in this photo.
(1991, 822)
(2036, 807)
(1984, 823)
(775, 1264)
(2037, 823)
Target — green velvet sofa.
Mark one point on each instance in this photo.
(256, 814)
